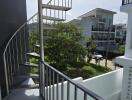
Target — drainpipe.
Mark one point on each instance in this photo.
(126, 60)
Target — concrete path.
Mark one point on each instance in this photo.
(109, 64)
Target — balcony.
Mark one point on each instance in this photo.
(107, 86)
(125, 2)
(103, 29)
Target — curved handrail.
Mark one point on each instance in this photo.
(49, 2)
(18, 31)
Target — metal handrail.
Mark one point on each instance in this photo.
(79, 86)
(18, 31)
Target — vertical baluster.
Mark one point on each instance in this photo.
(54, 11)
(57, 87)
(85, 96)
(20, 48)
(65, 11)
(68, 3)
(58, 10)
(71, 3)
(43, 82)
(68, 90)
(7, 67)
(65, 15)
(13, 55)
(25, 43)
(11, 71)
(53, 82)
(46, 83)
(75, 93)
(17, 54)
(62, 88)
(65, 3)
(49, 84)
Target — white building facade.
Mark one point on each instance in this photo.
(98, 25)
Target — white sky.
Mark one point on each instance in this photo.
(82, 6)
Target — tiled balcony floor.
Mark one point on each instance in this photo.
(25, 94)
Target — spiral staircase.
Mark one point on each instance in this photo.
(24, 52)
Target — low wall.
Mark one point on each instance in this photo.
(108, 86)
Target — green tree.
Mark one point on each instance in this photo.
(121, 49)
(62, 52)
(62, 47)
(91, 46)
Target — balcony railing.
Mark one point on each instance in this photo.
(125, 2)
(57, 86)
(103, 29)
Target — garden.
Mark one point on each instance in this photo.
(66, 49)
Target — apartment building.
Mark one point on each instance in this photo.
(120, 33)
(98, 25)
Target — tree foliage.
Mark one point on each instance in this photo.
(63, 52)
(62, 47)
(91, 46)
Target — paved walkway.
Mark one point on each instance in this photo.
(109, 64)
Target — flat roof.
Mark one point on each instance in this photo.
(94, 11)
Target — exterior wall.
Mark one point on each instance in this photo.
(92, 28)
(13, 15)
(86, 24)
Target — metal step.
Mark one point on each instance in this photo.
(37, 45)
(53, 18)
(28, 76)
(62, 8)
(30, 65)
(33, 54)
(35, 86)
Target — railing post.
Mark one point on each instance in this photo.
(41, 40)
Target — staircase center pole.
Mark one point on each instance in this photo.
(41, 40)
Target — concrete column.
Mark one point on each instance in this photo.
(128, 52)
(126, 60)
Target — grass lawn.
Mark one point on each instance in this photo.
(87, 71)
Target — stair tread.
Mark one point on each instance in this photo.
(31, 64)
(29, 76)
(33, 54)
(53, 18)
(56, 7)
(37, 45)
(29, 86)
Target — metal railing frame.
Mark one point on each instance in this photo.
(86, 91)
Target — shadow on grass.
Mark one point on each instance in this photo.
(87, 71)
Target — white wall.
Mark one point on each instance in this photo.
(107, 85)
